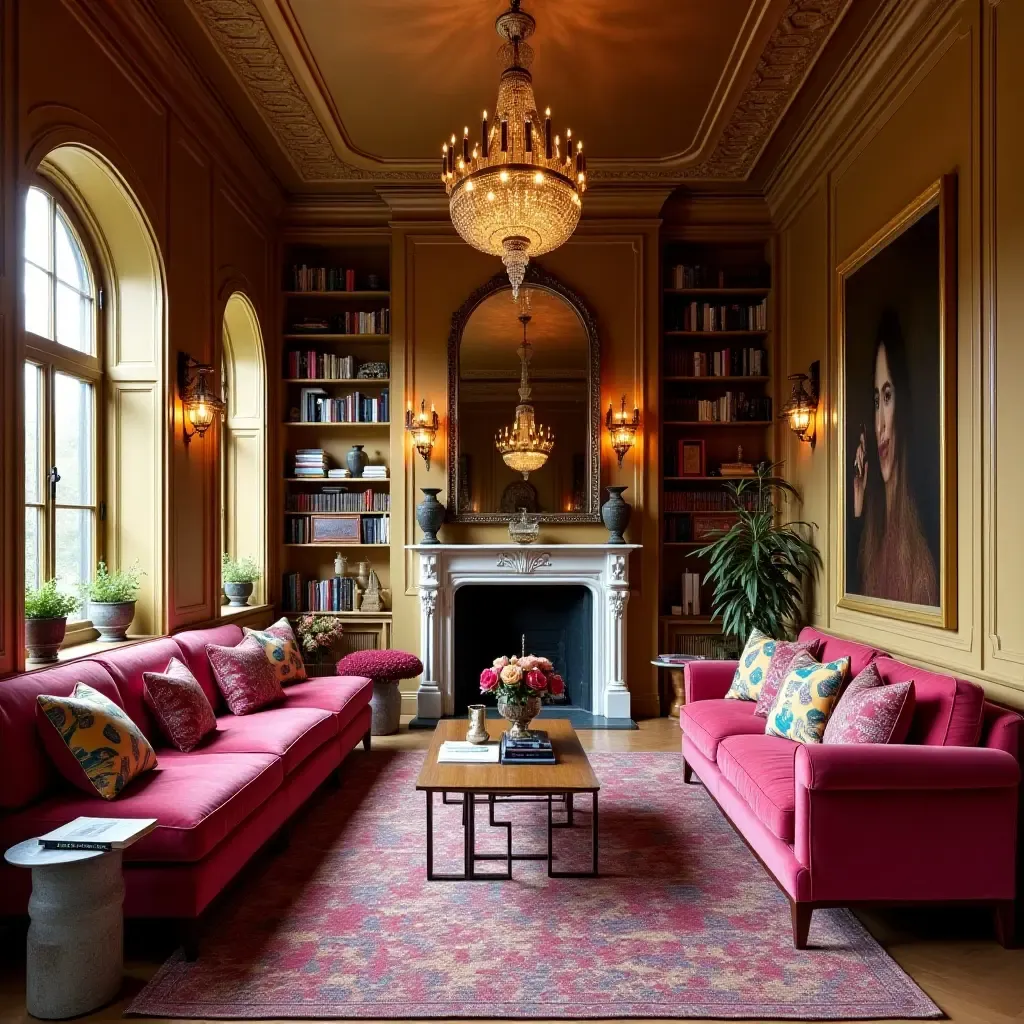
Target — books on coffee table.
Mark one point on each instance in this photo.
(103, 834)
(464, 752)
(533, 748)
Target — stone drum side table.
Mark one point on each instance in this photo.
(76, 930)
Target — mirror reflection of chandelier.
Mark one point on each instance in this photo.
(515, 195)
(525, 446)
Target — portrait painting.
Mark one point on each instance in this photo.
(897, 330)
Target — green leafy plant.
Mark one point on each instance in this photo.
(48, 602)
(244, 570)
(759, 565)
(117, 587)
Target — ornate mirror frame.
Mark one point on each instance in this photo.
(535, 278)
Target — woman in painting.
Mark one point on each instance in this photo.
(895, 560)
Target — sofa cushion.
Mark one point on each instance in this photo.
(291, 734)
(178, 703)
(707, 722)
(869, 711)
(762, 771)
(198, 799)
(244, 676)
(193, 649)
(782, 658)
(833, 647)
(126, 666)
(20, 741)
(752, 668)
(383, 664)
(92, 741)
(806, 697)
(281, 649)
(343, 696)
(947, 711)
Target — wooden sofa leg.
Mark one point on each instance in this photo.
(687, 774)
(188, 936)
(1006, 921)
(367, 740)
(801, 915)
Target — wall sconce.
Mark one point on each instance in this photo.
(800, 410)
(200, 406)
(622, 431)
(422, 428)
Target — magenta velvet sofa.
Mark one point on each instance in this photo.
(930, 820)
(216, 806)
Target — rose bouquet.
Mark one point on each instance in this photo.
(515, 680)
(320, 637)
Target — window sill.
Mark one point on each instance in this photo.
(227, 612)
(83, 650)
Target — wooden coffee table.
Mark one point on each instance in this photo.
(495, 784)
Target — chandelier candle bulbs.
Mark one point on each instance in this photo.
(507, 197)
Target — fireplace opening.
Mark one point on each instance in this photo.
(491, 620)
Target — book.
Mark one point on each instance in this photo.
(103, 834)
(521, 756)
(464, 752)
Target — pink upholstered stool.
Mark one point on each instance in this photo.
(386, 669)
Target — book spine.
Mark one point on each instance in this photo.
(71, 844)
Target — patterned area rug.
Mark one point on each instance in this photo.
(683, 922)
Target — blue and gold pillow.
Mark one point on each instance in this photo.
(753, 667)
(806, 698)
(281, 650)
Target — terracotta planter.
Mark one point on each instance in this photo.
(43, 638)
(112, 619)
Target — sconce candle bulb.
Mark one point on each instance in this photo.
(422, 428)
(799, 411)
(622, 431)
(199, 405)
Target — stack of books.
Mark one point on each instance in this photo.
(311, 462)
(375, 472)
(533, 748)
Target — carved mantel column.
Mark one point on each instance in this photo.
(429, 698)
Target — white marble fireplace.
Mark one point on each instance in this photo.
(444, 568)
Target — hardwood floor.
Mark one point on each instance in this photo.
(953, 957)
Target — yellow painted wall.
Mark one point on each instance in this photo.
(937, 92)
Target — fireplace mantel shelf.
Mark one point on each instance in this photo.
(444, 568)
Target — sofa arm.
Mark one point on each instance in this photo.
(708, 680)
(881, 766)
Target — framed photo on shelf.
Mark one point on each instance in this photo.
(691, 458)
(335, 529)
(897, 299)
(710, 527)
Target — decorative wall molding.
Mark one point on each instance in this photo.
(523, 561)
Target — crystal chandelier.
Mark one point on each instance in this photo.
(515, 194)
(525, 446)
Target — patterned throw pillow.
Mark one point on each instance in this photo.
(92, 742)
(785, 652)
(245, 676)
(281, 650)
(178, 703)
(753, 667)
(872, 711)
(805, 698)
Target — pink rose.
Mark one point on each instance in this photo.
(556, 684)
(499, 663)
(488, 680)
(536, 680)
(528, 662)
(544, 665)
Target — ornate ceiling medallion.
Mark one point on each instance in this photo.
(516, 194)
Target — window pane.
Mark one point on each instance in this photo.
(74, 547)
(71, 266)
(73, 443)
(33, 548)
(37, 228)
(37, 301)
(33, 434)
(74, 319)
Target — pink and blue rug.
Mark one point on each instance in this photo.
(682, 923)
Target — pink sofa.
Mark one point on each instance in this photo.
(930, 820)
(216, 806)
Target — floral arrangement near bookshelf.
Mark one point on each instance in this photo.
(320, 637)
(520, 685)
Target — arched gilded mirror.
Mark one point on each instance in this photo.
(524, 399)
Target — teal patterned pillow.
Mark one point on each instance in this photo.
(806, 698)
(753, 667)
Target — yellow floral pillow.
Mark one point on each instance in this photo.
(753, 667)
(281, 649)
(806, 698)
(92, 742)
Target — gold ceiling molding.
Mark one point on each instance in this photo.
(240, 33)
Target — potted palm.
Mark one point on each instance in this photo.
(237, 577)
(758, 567)
(46, 620)
(111, 597)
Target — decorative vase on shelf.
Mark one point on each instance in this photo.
(356, 460)
(615, 513)
(430, 515)
(520, 715)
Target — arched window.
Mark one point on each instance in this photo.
(63, 393)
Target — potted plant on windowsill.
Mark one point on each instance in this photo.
(46, 620)
(111, 597)
(237, 578)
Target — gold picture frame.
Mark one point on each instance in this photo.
(937, 203)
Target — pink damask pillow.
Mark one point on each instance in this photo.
(246, 678)
(872, 711)
(179, 705)
(281, 649)
(785, 652)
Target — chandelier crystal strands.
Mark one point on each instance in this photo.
(516, 193)
(526, 445)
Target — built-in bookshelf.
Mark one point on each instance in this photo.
(718, 395)
(335, 381)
